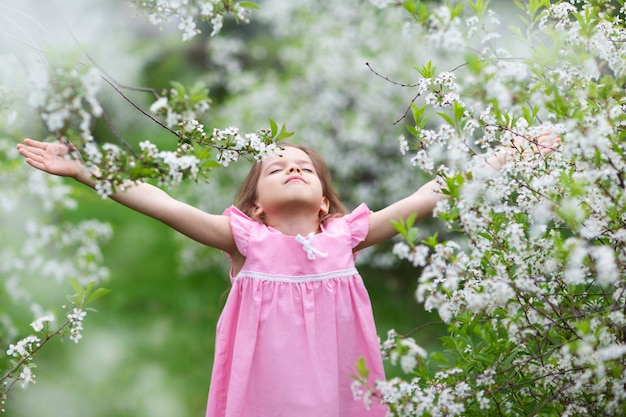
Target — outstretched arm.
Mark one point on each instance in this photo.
(424, 200)
(209, 229)
(422, 203)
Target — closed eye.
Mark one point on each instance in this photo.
(307, 170)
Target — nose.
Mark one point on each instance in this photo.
(294, 168)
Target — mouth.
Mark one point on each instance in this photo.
(295, 178)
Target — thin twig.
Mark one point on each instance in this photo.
(132, 103)
(30, 356)
(118, 135)
(408, 109)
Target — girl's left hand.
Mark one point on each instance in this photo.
(547, 143)
(544, 144)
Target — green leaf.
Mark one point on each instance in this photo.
(417, 9)
(249, 5)
(458, 110)
(76, 285)
(203, 153)
(180, 89)
(446, 117)
(405, 228)
(273, 127)
(418, 116)
(100, 292)
(432, 241)
(412, 130)
(283, 134)
(361, 367)
(458, 9)
(427, 70)
(409, 6)
(479, 7)
(89, 288)
(198, 92)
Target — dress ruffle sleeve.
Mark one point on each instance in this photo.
(358, 224)
(241, 225)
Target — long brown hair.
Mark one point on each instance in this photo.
(247, 195)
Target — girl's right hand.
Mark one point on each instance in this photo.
(50, 157)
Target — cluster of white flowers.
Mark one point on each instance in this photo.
(183, 118)
(417, 255)
(177, 166)
(606, 41)
(389, 344)
(237, 143)
(76, 323)
(159, 104)
(194, 126)
(39, 323)
(23, 348)
(445, 32)
(106, 158)
(65, 94)
(442, 90)
(360, 392)
(404, 144)
(26, 376)
(435, 149)
(190, 12)
(407, 353)
(22, 351)
(418, 398)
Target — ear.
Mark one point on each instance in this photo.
(257, 212)
(324, 206)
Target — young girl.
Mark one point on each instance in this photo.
(298, 316)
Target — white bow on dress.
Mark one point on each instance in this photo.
(307, 246)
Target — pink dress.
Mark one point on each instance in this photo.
(296, 321)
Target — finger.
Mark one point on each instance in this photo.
(34, 163)
(31, 152)
(550, 144)
(553, 140)
(35, 143)
(29, 157)
(23, 150)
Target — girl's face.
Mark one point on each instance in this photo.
(289, 181)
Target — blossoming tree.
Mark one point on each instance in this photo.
(529, 276)
(534, 290)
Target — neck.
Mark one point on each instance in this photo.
(294, 223)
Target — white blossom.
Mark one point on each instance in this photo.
(26, 376)
(160, 103)
(38, 324)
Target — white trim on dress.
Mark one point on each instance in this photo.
(297, 278)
